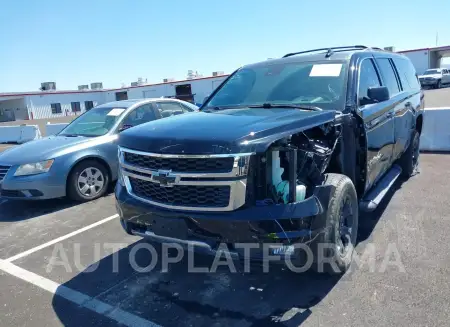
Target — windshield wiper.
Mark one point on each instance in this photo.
(287, 105)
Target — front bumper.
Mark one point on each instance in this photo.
(34, 187)
(428, 82)
(206, 231)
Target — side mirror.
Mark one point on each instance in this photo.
(377, 94)
(124, 127)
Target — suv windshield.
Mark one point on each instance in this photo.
(95, 122)
(432, 72)
(319, 84)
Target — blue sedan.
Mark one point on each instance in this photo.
(81, 161)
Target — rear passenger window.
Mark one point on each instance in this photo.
(168, 108)
(389, 78)
(368, 77)
(407, 74)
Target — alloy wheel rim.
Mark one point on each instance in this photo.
(345, 228)
(90, 182)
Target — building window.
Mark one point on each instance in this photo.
(56, 108)
(75, 106)
(88, 105)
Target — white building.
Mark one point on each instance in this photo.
(53, 103)
(427, 58)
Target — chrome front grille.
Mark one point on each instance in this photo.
(182, 195)
(186, 182)
(201, 165)
(3, 171)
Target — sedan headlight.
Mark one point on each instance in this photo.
(34, 168)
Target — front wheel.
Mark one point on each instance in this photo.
(88, 181)
(438, 84)
(334, 249)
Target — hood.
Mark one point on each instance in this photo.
(430, 76)
(46, 148)
(224, 131)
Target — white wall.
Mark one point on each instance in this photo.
(40, 104)
(200, 87)
(420, 60)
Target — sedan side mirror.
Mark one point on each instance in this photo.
(378, 94)
(124, 127)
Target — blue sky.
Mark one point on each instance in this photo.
(115, 42)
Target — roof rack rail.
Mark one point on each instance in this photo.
(330, 50)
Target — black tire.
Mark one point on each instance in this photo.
(410, 158)
(73, 189)
(438, 84)
(341, 217)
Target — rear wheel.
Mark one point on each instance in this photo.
(341, 227)
(410, 158)
(89, 180)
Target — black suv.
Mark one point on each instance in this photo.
(284, 152)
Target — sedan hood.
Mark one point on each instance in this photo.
(222, 131)
(46, 148)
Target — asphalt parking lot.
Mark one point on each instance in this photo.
(66, 264)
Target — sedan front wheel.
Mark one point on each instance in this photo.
(89, 180)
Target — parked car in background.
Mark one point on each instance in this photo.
(284, 153)
(81, 160)
(435, 78)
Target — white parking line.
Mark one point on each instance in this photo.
(81, 299)
(59, 239)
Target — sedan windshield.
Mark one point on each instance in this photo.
(432, 72)
(318, 84)
(95, 122)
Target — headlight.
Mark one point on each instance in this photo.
(34, 168)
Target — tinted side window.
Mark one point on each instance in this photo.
(168, 108)
(389, 78)
(407, 74)
(368, 77)
(140, 115)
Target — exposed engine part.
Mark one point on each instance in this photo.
(284, 188)
(296, 166)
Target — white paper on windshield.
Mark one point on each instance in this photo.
(115, 112)
(326, 70)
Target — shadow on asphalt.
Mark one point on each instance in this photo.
(181, 298)
(17, 210)
(368, 220)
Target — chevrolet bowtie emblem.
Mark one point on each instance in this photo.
(165, 178)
